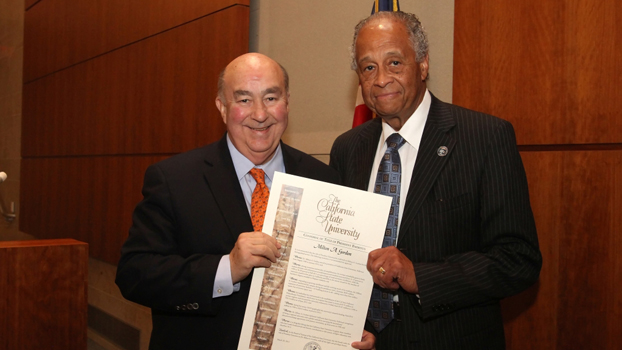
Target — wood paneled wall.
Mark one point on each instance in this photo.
(112, 86)
(552, 69)
(61, 33)
(44, 294)
(29, 3)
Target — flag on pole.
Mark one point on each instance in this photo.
(361, 112)
(385, 5)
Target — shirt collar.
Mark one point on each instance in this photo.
(412, 130)
(243, 165)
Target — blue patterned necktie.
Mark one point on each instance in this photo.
(388, 182)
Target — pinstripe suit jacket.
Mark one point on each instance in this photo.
(467, 227)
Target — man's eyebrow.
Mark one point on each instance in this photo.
(238, 93)
(272, 90)
(399, 55)
(385, 56)
(363, 59)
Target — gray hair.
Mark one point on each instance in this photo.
(416, 33)
(221, 81)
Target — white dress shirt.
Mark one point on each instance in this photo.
(411, 131)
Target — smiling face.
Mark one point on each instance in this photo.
(392, 81)
(254, 105)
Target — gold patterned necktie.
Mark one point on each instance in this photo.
(259, 199)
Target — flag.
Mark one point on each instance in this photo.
(361, 112)
(385, 5)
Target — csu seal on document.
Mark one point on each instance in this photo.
(312, 346)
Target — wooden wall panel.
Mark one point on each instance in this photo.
(134, 85)
(551, 68)
(43, 284)
(577, 200)
(90, 199)
(155, 96)
(534, 312)
(60, 33)
(29, 3)
(589, 253)
(593, 37)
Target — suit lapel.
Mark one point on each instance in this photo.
(224, 185)
(363, 155)
(290, 160)
(429, 163)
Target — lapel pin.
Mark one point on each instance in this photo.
(442, 151)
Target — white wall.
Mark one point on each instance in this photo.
(311, 39)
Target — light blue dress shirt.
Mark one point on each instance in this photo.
(223, 285)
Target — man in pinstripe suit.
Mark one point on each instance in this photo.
(466, 233)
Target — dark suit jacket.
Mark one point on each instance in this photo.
(467, 227)
(191, 215)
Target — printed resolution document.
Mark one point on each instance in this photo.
(316, 296)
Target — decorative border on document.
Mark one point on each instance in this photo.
(274, 276)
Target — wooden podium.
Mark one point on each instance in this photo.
(43, 294)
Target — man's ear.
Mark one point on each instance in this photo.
(424, 66)
(287, 101)
(222, 108)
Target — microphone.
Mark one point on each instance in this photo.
(2, 176)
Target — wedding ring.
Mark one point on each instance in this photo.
(382, 271)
